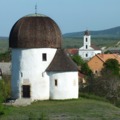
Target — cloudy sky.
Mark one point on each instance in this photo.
(70, 15)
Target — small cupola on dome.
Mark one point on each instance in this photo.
(35, 31)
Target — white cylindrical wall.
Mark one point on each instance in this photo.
(28, 68)
(66, 86)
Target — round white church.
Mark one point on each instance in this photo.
(41, 69)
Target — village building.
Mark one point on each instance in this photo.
(41, 70)
(96, 63)
(72, 51)
(88, 50)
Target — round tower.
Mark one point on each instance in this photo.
(34, 40)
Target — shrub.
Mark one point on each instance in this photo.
(4, 90)
(92, 96)
(1, 109)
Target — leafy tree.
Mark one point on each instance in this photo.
(83, 65)
(108, 84)
(111, 67)
(85, 69)
(77, 59)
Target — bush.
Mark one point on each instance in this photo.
(4, 94)
(92, 96)
(4, 90)
(1, 109)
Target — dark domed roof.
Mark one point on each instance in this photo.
(35, 31)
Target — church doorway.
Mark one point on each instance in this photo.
(26, 91)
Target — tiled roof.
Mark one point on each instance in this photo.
(114, 51)
(105, 57)
(81, 75)
(62, 62)
(95, 47)
(72, 51)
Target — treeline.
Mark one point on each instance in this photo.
(69, 42)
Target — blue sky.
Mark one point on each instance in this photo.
(70, 15)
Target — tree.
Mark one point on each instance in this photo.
(110, 79)
(77, 59)
(111, 67)
(85, 69)
(84, 66)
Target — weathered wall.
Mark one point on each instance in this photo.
(67, 85)
(28, 68)
(95, 64)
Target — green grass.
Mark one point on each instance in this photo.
(81, 109)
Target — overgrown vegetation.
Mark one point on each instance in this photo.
(107, 85)
(83, 66)
(6, 56)
(5, 92)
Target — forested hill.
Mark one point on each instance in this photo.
(112, 32)
(3, 38)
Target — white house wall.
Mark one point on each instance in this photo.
(67, 85)
(28, 68)
(87, 54)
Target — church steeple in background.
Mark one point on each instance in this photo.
(87, 39)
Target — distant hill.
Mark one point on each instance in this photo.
(108, 33)
(3, 38)
(101, 38)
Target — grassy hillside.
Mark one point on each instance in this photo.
(72, 42)
(69, 42)
(81, 109)
(112, 32)
(108, 37)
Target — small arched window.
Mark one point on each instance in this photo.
(44, 57)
